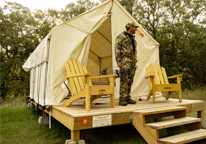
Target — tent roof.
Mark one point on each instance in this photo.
(87, 37)
(83, 23)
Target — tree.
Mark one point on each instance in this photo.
(21, 32)
(72, 10)
(179, 27)
(17, 42)
(174, 24)
(45, 20)
(130, 6)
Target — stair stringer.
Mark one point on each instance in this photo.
(150, 135)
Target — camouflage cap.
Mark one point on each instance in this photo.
(131, 24)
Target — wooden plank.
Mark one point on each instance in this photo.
(70, 80)
(73, 72)
(175, 76)
(165, 75)
(149, 94)
(121, 113)
(83, 69)
(179, 79)
(78, 75)
(169, 93)
(151, 70)
(197, 106)
(167, 87)
(87, 94)
(150, 135)
(180, 114)
(148, 73)
(117, 119)
(75, 135)
(156, 73)
(112, 97)
(101, 90)
(103, 76)
(78, 111)
(185, 137)
(200, 114)
(193, 126)
(160, 74)
(157, 110)
(74, 97)
(81, 80)
(158, 116)
(80, 67)
(63, 118)
(44, 114)
(172, 123)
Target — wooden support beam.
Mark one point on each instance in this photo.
(150, 135)
(200, 114)
(193, 126)
(75, 134)
(44, 114)
(117, 119)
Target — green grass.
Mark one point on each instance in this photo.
(18, 125)
(195, 94)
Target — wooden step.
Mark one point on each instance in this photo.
(160, 110)
(172, 123)
(184, 137)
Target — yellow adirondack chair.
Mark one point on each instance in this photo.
(158, 81)
(80, 85)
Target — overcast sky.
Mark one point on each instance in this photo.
(42, 4)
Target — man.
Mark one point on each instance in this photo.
(126, 57)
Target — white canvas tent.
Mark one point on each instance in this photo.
(89, 38)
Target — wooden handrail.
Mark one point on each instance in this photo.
(103, 76)
(175, 76)
(150, 76)
(79, 75)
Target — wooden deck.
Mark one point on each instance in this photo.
(76, 118)
(120, 114)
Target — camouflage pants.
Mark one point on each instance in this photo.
(126, 80)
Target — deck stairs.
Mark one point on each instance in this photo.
(148, 123)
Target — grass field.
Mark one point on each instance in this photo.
(19, 126)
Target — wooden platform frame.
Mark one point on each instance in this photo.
(72, 116)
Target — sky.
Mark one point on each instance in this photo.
(42, 4)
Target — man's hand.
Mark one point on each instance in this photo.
(119, 64)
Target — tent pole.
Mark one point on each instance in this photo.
(111, 40)
(100, 66)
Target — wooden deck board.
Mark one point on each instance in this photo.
(73, 116)
(185, 137)
(104, 108)
(173, 123)
(161, 109)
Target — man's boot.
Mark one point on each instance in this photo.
(129, 100)
(122, 102)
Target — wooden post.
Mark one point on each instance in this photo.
(179, 79)
(153, 88)
(44, 114)
(112, 99)
(150, 135)
(200, 114)
(75, 135)
(87, 91)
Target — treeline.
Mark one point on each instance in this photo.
(178, 26)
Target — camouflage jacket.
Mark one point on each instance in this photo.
(124, 49)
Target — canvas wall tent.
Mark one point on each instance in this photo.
(89, 38)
